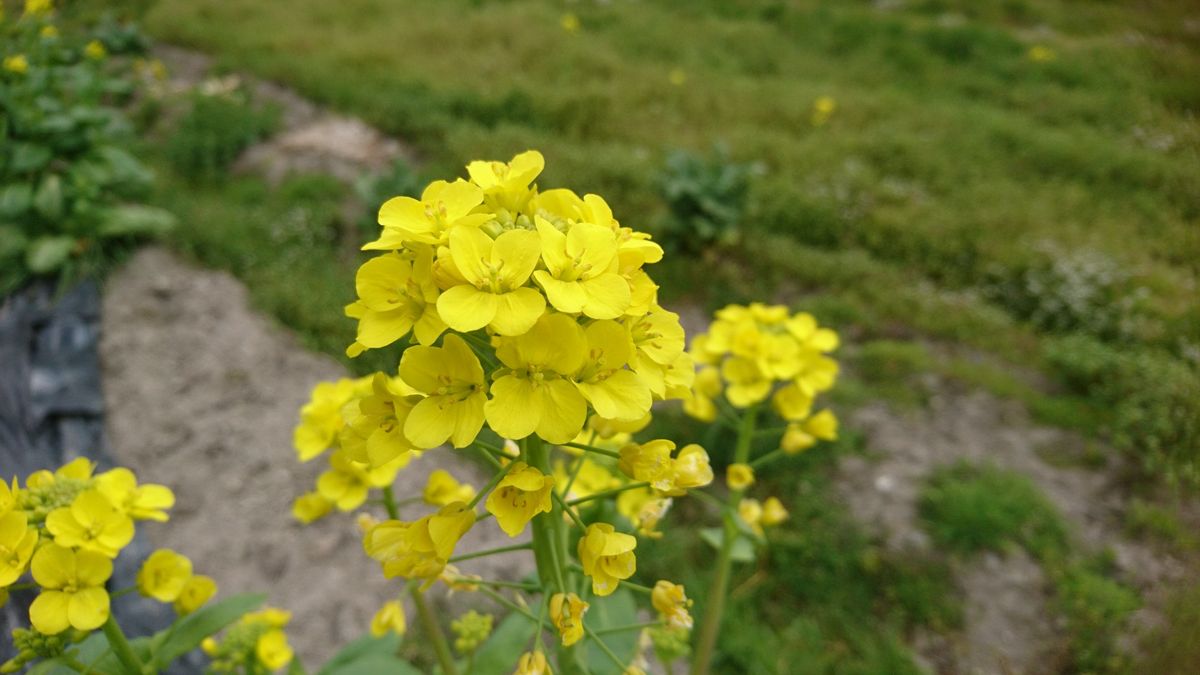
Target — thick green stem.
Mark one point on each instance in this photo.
(433, 631)
(711, 625)
(120, 647)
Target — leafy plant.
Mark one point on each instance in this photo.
(376, 188)
(706, 200)
(67, 185)
(221, 123)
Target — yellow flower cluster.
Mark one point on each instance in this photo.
(256, 643)
(752, 353)
(65, 528)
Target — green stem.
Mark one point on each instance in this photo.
(433, 631)
(491, 484)
(767, 458)
(497, 584)
(636, 587)
(632, 626)
(507, 603)
(389, 503)
(486, 454)
(591, 448)
(120, 647)
(711, 625)
(569, 511)
(75, 664)
(491, 551)
(605, 648)
(608, 493)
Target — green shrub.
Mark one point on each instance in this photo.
(215, 130)
(1096, 608)
(706, 198)
(1152, 399)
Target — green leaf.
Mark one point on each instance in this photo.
(191, 630)
(49, 198)
(361, 648)
(743, 550)
(499, 655)
(618, 609)
(15, 200)
(135, 220)
(48, 253)
(13, 242)
(28, 157)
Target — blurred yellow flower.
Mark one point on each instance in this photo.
(672, 604)
(273, 650)
(197, 591)
(311, 507)
(822, 110)
(566, 612)
(16, 64)
(442, 489)
(570, 23)
(389, 619)
(91, 523)
(523, 493)
(739, 476)
(1041, 54)
(140, 502)
(677, 77)
(95, 50)
(533, 663)
(17, 541)
(73, 594)
(164, 575)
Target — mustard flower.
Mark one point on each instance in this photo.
(581, 274)
(95, 50)
(739, 476)
(614, 391)
(471, 630)
(493, 291)
(17, 541)
(418, 549)
(73, 594)
(272, 649)
(570, 23)
(650, 462)
(311, 507)
(707, 387)
(455, 391)
(389, 619)
(822, 110)
(36, 7)
(321, 418)
(16, 63)
(566, 613)
(91, 523)
(508, 187)
(535, 393)
(607, 557)
(374, 431)
(442, 489)
(397, 295)
(443, 207)
(347, 483)
(164, 575)
(672, 604)
(690, 469)
(533, 663)
(196, 592)
(773, 512)
(140, 502)
(523, 493)
(801, 436)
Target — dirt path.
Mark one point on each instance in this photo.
(202, 394)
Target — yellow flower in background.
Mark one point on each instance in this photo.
(95, 50)
(442, 489)
(533, 663)
(566, 613)
(707, 387)
(311, 507)
(773, 512)
(536, 393)
(196, 592)
(607, 557)
(590, 478)
(690, 469)
(803, 435)
(78, 469)
(614, 392)
(272, 649)
(644, 509)
(672, 604)
(374, 430)
(581, 274)
(164, 575)
(442, 208)
(650, 462)
(455, 391)
(73, 594)
(523, 493)
(751, 512)
(570, 23)
(739, 476)
(397, 295)
(493, 292)
(17, 541)
(321, 418)
(822, 110)
(347, 483)
(616, 430)
(1041, 54)
(389, 619)
(8, 496)
(49, 32)
(792, 402)
(677, 77)
(271, 617)
(91, 523)
(36, 7)
(418, 549)
(748, 384)
(140, 502)
(508, 187)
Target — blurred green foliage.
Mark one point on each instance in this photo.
(705, 199)
(215, 130)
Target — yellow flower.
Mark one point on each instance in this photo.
(535, 392)
(374, 432)
(389, 619)
(1041, 54)
(144, 502)
(421, 548)
(566, 612)
(17, 541)
(607, 557)
(272, 617)
(581, 274)
(672, 604)
(73, 594)
(523, 493)
(452, 380)
(747, 382)
(79, 469)
(492, 291)
(677, 77)
(443, 489)
(801, 436)
(644, 510)
(347, 483)
(533, 663)
(792, 402)
(690, 469)
(272, 649)
(8, 496)
(321, 418)
(590, 478)
(570, 23)
(507, 187)
(91, 523)
(35, 7)
(197, 591)
(610, 429)
(49, 31)
(739, 476)
(164, 575)
(397, 294)
(442, 208)
(614, 392)
(95, 50)
(822, 110)
(706, 388)
(751, 512)
(773, 512)
(311, 507)
(650, 462)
